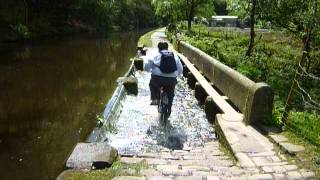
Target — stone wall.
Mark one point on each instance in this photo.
(112, 109)
(254, 100)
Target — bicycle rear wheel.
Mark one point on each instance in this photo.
(163, 107)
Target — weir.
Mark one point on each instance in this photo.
(188, 148)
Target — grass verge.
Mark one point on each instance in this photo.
(309, 158)
(146, 38)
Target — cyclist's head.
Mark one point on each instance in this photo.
(163, 46)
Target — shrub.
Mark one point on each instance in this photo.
(22, 31)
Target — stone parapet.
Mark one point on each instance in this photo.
(254, 100)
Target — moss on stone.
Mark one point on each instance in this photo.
(117, 169)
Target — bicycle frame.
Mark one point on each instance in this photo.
(163, 106)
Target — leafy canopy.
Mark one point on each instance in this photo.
(176, 10)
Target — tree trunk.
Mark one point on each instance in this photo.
(191, 15)
(252, 32)
(297, 76)
(189, 24)
(26, 12)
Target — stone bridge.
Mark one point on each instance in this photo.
(214, 107)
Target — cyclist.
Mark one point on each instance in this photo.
(164, 73)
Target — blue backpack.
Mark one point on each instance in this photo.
(167, 63)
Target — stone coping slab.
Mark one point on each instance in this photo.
(243, 141)
(88, 155)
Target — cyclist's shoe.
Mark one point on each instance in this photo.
(154, 102)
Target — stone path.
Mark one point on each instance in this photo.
(138, 128)
(200, 156)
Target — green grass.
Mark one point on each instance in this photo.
(117, 169)
(308, 159)
(306, 125)
(146, 38)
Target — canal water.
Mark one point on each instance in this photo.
(50, 95)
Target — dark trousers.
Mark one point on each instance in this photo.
(168, 83)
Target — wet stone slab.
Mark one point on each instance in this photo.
(138, 129)
(92, 155)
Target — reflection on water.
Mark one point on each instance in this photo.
(49, 97)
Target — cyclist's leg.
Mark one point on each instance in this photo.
(154, 88)
(170, 93)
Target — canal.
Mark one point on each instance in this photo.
(50, 95)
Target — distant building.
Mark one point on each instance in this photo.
(224, 21)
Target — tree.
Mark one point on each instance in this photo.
(220, 7)
(301, 19)
(191, 8)
(238, 8)
(243, 9)
(167, 10)
(252, 23)
(197, 7)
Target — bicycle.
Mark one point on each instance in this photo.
(163, 106)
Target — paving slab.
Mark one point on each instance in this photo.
(159, 178)
(244, 160)
(294, 175)
(308, 175)
(150, 172)
(279, 176)
(213, 178)
(128, 178)
(261, 177)
(189, 178)
(291, 148)
(86, 155)
(240, 137)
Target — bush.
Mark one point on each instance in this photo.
(22, 31)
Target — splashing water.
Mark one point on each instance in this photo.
(139, 129)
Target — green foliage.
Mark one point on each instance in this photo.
(278, 109)
(220, 7)
(22, 31)
(110, 127)
(306, 124)
(238, 7)
(250, 71)
(171, 11)
(297, 16)
(146, 39)
(47, 17)
(167, 10)
(100, 120)
(126, 14)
